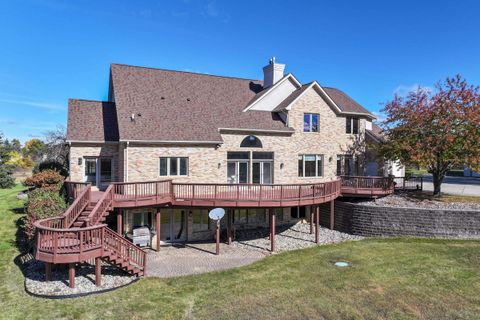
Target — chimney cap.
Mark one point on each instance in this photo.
(272, 60)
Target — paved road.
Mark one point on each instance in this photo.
(455, 185)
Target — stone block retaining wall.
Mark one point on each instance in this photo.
(360, 219)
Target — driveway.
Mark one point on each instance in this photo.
(466, 186)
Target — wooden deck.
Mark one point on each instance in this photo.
(79, 234)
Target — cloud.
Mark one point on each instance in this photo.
(36, 104)
(403, 90)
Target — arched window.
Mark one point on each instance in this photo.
(251, 142)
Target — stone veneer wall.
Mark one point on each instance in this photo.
(360, 219)
(77, 172)
(208, 164)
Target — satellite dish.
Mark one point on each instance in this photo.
(216, 214)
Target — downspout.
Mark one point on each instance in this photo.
(125, 154)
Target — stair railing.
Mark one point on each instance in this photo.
(76, 208)
(124, 249)
(102, 206)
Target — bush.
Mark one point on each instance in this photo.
(47, 179)
(42, 203)
(6, 179)
(51, 165)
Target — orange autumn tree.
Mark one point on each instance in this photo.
(437, 130)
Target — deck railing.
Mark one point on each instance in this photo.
(73, 189)
(60, 244)
(408, 183)
(138, 191)
(366, 185)
(255, 192)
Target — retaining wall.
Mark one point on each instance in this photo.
(365, 220)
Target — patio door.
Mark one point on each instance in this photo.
(98, 171)
(262, 172)
(173, 226)
(237, 172)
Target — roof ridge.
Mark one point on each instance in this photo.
(181, 71)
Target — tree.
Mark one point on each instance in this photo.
(6, 179)
(437, 130)
(56, 149)
(34, 149)
(16, 146)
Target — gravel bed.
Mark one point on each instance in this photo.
(404, 200)
(35, 283)
(290, 237)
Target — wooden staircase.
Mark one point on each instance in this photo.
(79, 234)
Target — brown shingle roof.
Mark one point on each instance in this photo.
(344, 102)
(376, 132)
(91, 121)
(183, 106)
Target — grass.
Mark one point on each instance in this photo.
(387, 279)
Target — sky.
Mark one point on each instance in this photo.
(52, 50)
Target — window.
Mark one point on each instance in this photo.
(348, 165)
(339, 165)
(142, 219)
(352, 125)
(251, 142)
(310, 122)
(310, 165)
(201, 221)
(173, 166)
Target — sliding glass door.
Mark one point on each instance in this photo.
(250, 167)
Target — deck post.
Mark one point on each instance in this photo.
(311, 219)
(272, 229)
(48, 271)
(157, 228)
(71, 275)
(332, 214)
(229, 226)
(98, 272)
(119, 222)
(217, 239)
(317, 219)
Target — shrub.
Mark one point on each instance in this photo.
(51, 165)
(47, 179)
(42, 203)
(6, 179)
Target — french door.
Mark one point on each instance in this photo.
(98, 171)
(262, 172)
(173, 226)
(237, 172)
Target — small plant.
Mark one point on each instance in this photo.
(47, 179)
(42, 203)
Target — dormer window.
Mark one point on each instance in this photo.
(310, 122)
(251, 142)
(352, 125)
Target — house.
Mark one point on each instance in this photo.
(198, 128)
(168, 146)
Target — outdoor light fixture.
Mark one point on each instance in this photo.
(79, 161)
(281, 165)
(330, 159)
(219, 165)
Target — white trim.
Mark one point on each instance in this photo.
(257, 130)
(92, 141)
(173, 141)
(336, 107)
(288, 76)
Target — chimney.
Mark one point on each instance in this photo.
(272, 73)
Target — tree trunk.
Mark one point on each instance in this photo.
(437, 183)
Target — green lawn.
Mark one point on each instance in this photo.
(388, 279)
